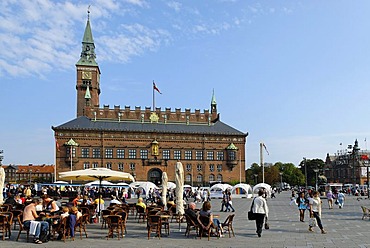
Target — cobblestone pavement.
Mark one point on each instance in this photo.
(344, 226)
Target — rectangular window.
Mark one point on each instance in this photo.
(109, 166)
(73, 152)
(85, 152)
(166, 154)
(188, 167)
(120, 166)
(86, 165)
(219, 167)
(132, 166)
(210, 155)
(199, 155)
(95, 165)
(120, 153)
(108, 153)
(188, 155)
(220, 156)
(176, 154)
(144, 154)
(199, 167)
(131, 153)
(96, 152)
(211, 167)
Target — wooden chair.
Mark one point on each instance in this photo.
(174, 213)
(154, 225)
(104, 214)
(5, 225)
(124, 216)
(205, 221)
(141, 212)
(190, 225)
(365, 212)
(61, 228)
(81, 224)
(15, 216)
(229, 224)
(22, 228)
(114, 224)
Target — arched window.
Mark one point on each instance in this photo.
(219, 177)
(211, 177)
(188, 178)
(199, 178)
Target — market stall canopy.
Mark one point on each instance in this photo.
(145, 186)
(265, 186)
(242, 190)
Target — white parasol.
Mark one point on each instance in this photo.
(96, 173)
(164, 188)
(179, 172)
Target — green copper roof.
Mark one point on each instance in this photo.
(232, 147)
(213, 101)
(71, 142)
(88, 48)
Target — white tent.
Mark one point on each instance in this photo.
(144, 187)
(217, 189)
(265, 186)
(242, 190)
(171, 185)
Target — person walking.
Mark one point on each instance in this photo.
(341, 199)
(229, 203)
(261, 210)
(315, 211)
(302, 205)
(329, 196)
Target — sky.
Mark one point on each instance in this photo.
(293, 74)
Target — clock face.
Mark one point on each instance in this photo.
(86, 75)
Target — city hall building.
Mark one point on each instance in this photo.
(143, 141)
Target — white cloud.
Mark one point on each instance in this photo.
(174, 5)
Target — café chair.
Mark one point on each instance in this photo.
(114, 224)
(104, 214)
(190, 225)
(212, 229)
(15, 216)
(141, 212)
(81, 224)
(22, 227)
(229, 224)
(61, 228)
(154, 225)
(5, 225)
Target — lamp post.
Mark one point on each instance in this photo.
(316, 171)
(305, 171)
(30, 175)
(281, 180)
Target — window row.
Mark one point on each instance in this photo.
(166, 154)
(199, 167)
(120, 166)
(200, 179)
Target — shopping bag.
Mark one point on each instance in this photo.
(251, 215)
(312, 222)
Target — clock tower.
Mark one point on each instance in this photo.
(88, 74)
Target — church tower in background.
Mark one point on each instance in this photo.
(88, 74)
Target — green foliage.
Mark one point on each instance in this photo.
(234, 182)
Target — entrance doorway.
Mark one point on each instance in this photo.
(155, 176)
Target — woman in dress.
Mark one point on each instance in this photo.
(315, 211)
(302, 205)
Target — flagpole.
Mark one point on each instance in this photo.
(261, 161)
(240, 166)
(153, 97)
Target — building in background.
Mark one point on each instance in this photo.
(146, 142)
(27, 174)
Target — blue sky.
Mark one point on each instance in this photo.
(293, 74)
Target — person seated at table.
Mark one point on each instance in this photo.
(170, 203)
(10, 200)
(35, 227)
(141, 203)
(99, 199)
(206, 212)
(49, 204)
(114, 201)
(190, 211)
(159, 202)
(74, 210)
(86, 201)
(76, 201)
(17, 199)
(39, 206)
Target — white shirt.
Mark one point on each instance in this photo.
(260, 206)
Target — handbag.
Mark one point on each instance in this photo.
(267, 225)
(251, 215)
(312, 222)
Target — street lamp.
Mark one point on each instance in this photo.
(305, 171)
(30, 176)
(316, 170)
(281, 180)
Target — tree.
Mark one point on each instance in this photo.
(312, 164)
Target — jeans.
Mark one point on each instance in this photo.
(318, 219)
(44, 227)
(260, 218)
(228, 206)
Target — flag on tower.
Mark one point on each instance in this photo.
(155, 88)
(264, 146)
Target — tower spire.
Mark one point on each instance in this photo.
(213, 103)
(88, 55)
